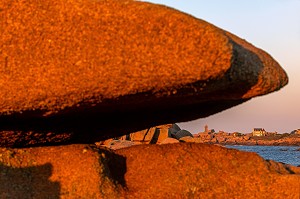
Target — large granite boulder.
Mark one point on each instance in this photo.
(189, 170)
(183, 170)
(81, 71)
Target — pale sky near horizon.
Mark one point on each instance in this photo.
(272, 25)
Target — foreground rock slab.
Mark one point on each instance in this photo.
(82, 71)
(183, 170)
(71, 171)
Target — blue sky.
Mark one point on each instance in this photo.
(274, 26)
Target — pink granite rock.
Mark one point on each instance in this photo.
(88, 70)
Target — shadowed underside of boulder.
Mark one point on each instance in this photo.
(81, 71)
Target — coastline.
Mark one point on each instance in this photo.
(233, 139)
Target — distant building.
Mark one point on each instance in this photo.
(259, 132)
(206, 132)
(206, 129)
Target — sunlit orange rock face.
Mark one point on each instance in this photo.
(75, 71)
(183, 170)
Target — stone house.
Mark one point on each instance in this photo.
(259, 132)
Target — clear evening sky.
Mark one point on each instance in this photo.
(272, 25)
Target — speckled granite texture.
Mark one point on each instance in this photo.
(88, 70)
(183, 170)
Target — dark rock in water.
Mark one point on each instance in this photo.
(82, 71)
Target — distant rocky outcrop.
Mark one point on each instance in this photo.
(168, 133)
(76, 71)
(183, 170)
(247, 139)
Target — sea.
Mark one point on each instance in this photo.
(286, 154)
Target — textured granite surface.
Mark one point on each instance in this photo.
(80, 71)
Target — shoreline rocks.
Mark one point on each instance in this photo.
(85, 71)
(163, 134)
(232, 139)
(171, 133)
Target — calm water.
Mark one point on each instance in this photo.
(285, 154)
